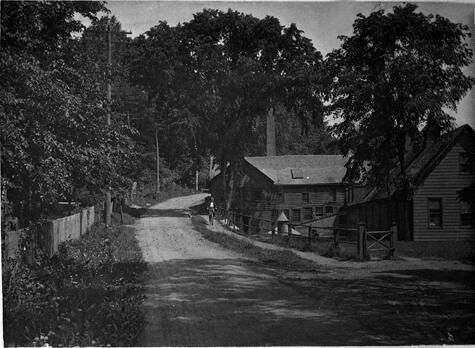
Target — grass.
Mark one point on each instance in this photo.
(283, 259)
(449, 250)
(89, 294)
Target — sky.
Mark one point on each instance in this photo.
(322, 22)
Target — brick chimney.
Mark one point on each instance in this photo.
(271, 147)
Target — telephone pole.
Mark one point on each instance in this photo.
(108, 203)
(158, 162)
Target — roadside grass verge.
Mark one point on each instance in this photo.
(321, 246)
(282, 259)
(450, 250)
(89, 294)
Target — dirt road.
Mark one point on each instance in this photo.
(201, 294)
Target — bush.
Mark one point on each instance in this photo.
(89, 294)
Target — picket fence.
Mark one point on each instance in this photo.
(50, 234)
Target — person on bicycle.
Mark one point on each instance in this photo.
(211, 210)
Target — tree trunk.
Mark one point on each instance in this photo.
(196, 180)
(108, 208)
(158, 162)
(231, 190)
(225, 187)
(121, 212)
(404, 196)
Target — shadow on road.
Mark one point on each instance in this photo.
(240, 302)
(146, 212)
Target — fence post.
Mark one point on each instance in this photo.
(361, 241)
(241, 223)
(362, 251)
(272, 229)
(392, 243)
(249, 228)
(335, 238)
(310, 234)
(290, 232)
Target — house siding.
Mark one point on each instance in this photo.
(318, 194)
(443, 182)
(377, 215)
(283, 197)
(292, 199)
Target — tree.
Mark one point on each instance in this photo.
(41, 27)
(396, 74)
(54, 137)
(224, 72)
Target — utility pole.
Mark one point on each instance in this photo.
(158, 162)
(196, 180)
(108, 203)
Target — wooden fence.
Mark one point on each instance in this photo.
(250, 225)
(48, 235)
(367, 242)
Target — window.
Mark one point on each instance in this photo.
(307, 213)
(287, 213)
(466, 162)
(305, 197)
(297, 173)
(328, 209)
(332, 195)
(435, 212)
(466, 214)
(319, 211)
(349, 194)
(274, 214)
(279, 194)
(295, 215)
(342, 220)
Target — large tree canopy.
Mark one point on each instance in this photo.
(213, 79)
(397, 73)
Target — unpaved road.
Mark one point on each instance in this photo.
(200, 294)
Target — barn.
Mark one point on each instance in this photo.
(304, 187)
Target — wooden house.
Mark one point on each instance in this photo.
(304, 187)
(440, 171)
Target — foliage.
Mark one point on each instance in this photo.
(54, 137)
(88, 295)
(295, 137)
(395, 75)
(40, 28)
(221, 74)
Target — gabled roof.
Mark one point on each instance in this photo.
(423, 164)
(301, 169)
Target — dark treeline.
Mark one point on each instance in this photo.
(204, 88)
